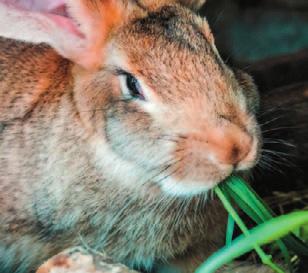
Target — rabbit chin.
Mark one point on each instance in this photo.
(185, 188)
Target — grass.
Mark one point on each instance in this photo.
(269, 229)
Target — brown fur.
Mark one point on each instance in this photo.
(80, 164)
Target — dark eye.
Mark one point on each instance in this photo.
(134, 87)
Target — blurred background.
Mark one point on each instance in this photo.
(252, 30)
(269, 39)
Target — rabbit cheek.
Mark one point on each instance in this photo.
(130, 135)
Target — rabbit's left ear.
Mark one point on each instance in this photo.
(80, 35)
(193, 4)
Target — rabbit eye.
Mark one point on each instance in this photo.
(134, 87)
(130, 86)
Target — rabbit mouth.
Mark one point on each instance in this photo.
(54, 9)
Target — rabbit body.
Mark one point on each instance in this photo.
(82, 163)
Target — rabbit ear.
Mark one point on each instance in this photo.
(80, 36)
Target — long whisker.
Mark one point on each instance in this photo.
(167, 166)
(278, 141)
(267, 164)
(281, 158)
(280, 129)
(269, 111)
(277, 153)
(168, 175)
(270, 121)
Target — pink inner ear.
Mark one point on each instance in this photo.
(54, 9)
(66, 23)
(35, 5)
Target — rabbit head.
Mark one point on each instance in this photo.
(153, 93)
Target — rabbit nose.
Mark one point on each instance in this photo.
(233, 154)
(231, 146)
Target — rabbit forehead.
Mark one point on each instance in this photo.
(173, 50)
(174, 23)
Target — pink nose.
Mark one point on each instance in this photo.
(230, 145)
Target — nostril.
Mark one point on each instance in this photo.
(235, 154)
(241, 150)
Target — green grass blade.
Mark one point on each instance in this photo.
(266, 259)
(251, 204)
(254, 207)
(262, 234)
(230, 230)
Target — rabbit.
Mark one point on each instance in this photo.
(117, 120)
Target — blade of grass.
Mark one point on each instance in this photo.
(230, 230)
(291, 241)
(238, 191)
(255, 208)
(266, 259)
(262, 234)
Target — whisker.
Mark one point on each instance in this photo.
(267, 164)
(280, 129)
(167, 167)
(278, 157)
(280, 161)
(271, 121)
(168, 175)
(263, 112)
(277, 153)
(278, 141)
(167, 139)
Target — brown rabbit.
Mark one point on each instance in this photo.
(117, 120)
